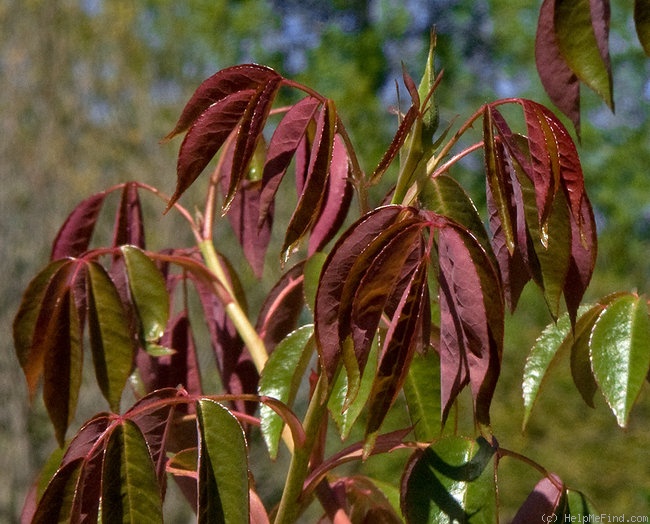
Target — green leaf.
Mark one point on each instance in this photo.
(148, 291)
(583, 376)
(580, 46)
(110, 340)
(578, 508)
(422, 392)
(642, 23)
(620, 353)
(281, 379)
(431, 117)
(223, 466)
(450, 481)
(346, 412)
(130, 490)
(312, 271)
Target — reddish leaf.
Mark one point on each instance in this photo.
(471, 321)
(404, 334)
(282, 307)
(403, 130)
(206, 136)
(74, 236)
(129, 225)
(347, 261)
(285, 141)
(219, 86)
(311, 199)
(338, 195)
(249, 132)
(57, 502)
(542, 503)
(559, 81)
(367, 503)
(182, 367)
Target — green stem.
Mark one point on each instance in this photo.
(246, 330)
(290, 504)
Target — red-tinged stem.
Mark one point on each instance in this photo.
(503, 452)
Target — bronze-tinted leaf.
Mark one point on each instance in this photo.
(129, 224)
(74, 235)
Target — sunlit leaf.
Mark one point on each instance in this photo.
(130, 491)
(148, 292)
(281, 379)
(559, 81)
(642, 23)
(223, 83)
(578, 508)
(74, 235)
(110, 340)
(544, 502)
(422, 393)
(582, 33)
(620, 353)
(223, 466)
(450, 481)
(366, 501)
(583, 376)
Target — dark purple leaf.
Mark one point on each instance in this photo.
(282, 307)
(206, 136)
(559, 81)
(336, 201)
(129, 225)
(74, 236)
(398, 141)
(286, 139)
(219, 86)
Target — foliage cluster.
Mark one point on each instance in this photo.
(410, 298)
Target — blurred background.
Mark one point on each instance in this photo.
(88, 88)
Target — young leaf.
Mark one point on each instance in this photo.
(223, 466)
(282, 147)
(281, 379)
(110, 340)
(583, 376)
(205, 138)
(582, 33)
(148, 292)
(57, 502)
(74, 235)
(620, 353)
(130, 491)
(559, 81)
(642, 23)
(578, 508)
(311, 198)
(544, 502)
(422, 393)
(223, 83)
(366, 501)
(129, 225)
(450, 481)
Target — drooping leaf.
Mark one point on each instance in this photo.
(74, 235)
(471, 321)
(583, 376)
(544, 502)
(344, 411)
(282, 307)
(40, 295)
(130, 491)
(404, 334)
(223, 466)
(249, 133)
(311, 198)
(559, 81)
(338, 195)
(57, 502)
(578, 508)
(450, 481)
(206, 136)
(110, 340)
(642, 23)
(129, 224)
(282, 148)
(148, 292)
(281, 379)
(620, 353)
(338, 279)
(422, 393)
(582, 33)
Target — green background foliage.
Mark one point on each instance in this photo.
(88, 87)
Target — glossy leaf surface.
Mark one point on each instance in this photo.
(450, 481)
(620, 353)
